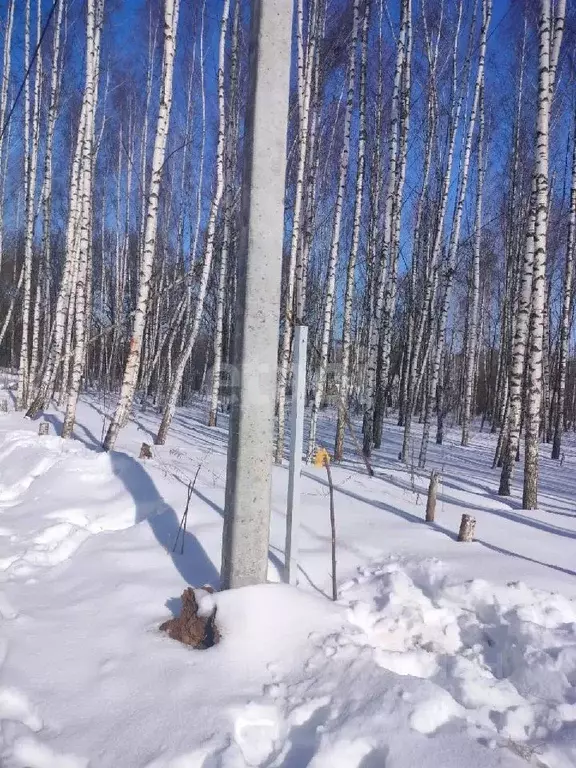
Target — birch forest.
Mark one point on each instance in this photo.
(430, 217)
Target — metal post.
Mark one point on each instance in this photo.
(296, 441)
(255, 346)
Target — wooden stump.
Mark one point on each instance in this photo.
(3, 406)
(145, 451)
(43, 428)
(190, 628)
(432, 491)
(467, 528)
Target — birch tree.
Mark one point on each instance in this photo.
(192, 331)
(31, 142)
(230, 166)
(513, 243)
(519, 355)
(203, 138)
(390, 290)
(550, 37)
(379, 272)
(94, 13)
(335, 240)
(351, 266)
(455, 232)
(132, 366)
(472, 325)
(42, 301)
(306, 57)
(567, 303)
(419, 318)
(4, 85)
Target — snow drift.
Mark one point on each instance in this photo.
(414, 666)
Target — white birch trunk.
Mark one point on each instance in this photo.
(455, 233)
(192, 332)
(31, 163)
(6, 66)
(94, 11)
(305, 80)
(389, 304)
(547, 59)
(351, 267)
(566, 314)
(42, 304)
(379, 271)
(230, 159)
(152, 32)
(475, 283)
(67, 279)
(135, 350)
(335, 242)
(519, 356)
(194, 251)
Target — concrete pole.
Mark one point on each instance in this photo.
(255, 345)
(296, 442)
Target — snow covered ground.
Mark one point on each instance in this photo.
(438, 654)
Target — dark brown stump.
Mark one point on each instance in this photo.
(43, 428)
(189, 628)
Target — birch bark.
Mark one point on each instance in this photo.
(31, 164)
(344, 385)
(230, 161)
(549, 46)
(306, 62)
(191, 334)
(94, 11)
(475, 282)
(6, 67)
(335, 241)
(455, 232)
(379, 271)
(566, 313)
(132, 366)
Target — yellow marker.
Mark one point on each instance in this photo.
(321, 457)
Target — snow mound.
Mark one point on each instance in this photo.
(412, 667)
(504, 657)
(47, 474)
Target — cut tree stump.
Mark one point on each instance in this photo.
(3, 406)
(189, 628)
(432, 491)
(467, 528)
(43, 428)
(145, 451)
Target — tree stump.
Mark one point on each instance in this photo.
(467, 528)
(432, 491)
(43, 428)
(145, 451)
(191, 629)
(3, 406)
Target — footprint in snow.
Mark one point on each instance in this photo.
(7, 610)
(258, 732)
(15, 706)
(74, 516)
(28, 752)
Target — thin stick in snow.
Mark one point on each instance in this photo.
(332, 528)
(184, 521)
